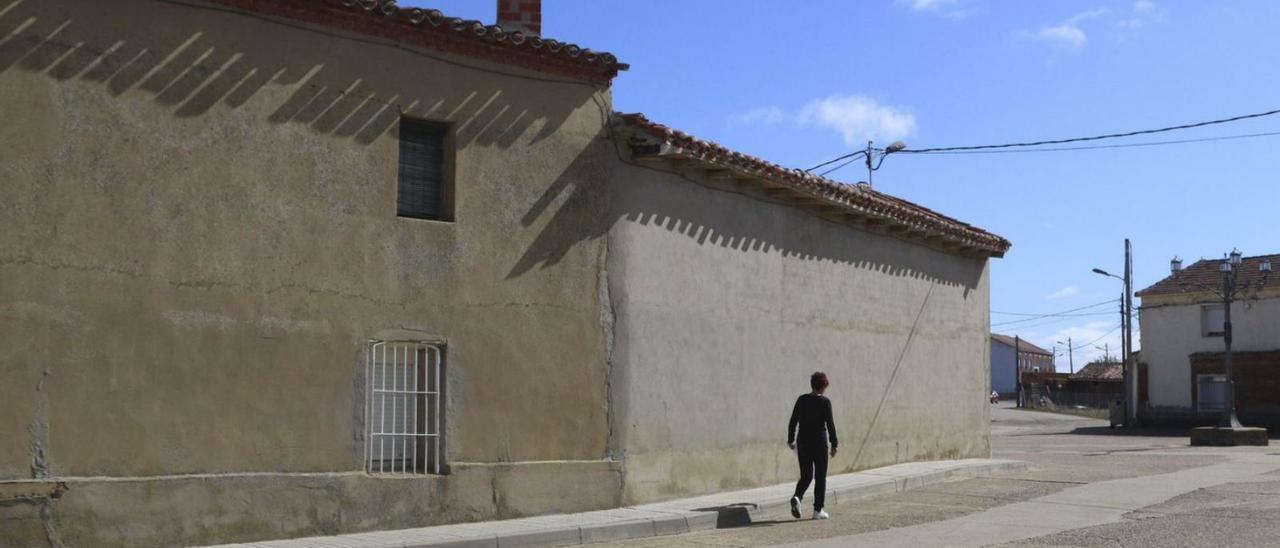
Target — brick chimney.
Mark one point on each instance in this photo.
(524, 16)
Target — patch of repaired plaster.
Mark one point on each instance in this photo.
(274, 326)
(199, 319)
(39, 430)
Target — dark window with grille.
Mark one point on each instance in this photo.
(425, 191)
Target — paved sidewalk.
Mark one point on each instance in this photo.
(664, 518)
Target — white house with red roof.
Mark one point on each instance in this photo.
(1182, 370)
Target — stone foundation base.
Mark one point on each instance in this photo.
(1212, 435)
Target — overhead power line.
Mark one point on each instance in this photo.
(1096, 137)
(1053, 319)
(991, 149)
(1091, 343)
(1098, 147)
(1060, 314)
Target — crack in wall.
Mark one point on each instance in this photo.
(607, 321)
(39, 430)
(45, 502)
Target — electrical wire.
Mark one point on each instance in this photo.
(988, 149)
(1090, 343)
(1097, 147)
(1041, 322)
(1051, 314)
(1097, 137)
(1042, 315)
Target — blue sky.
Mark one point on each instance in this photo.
(800, 82)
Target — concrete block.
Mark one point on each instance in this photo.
(701, 521)
(1212, 435)
(612, 532)
(475, 542)
(544, 537)
(670, 525)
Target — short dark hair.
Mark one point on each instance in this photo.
(818, 380)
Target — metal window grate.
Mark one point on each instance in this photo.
(403, 415)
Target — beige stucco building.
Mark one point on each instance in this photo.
(1182, 345)
(207, 250)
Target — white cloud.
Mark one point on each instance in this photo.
(858, 119)
(941, 7)
(1068, 291)
(1067, 34)
(763, 116)
(1144, 11)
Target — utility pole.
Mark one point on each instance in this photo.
(1126, 335)
(1071, 360)
(869, 168)
(1129, 368)
(1017, 366)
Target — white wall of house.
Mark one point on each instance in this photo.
(1173, 329)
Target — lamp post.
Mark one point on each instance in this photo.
(1126, 335)
(1230, 268)
(868, 155)
(1071, 360)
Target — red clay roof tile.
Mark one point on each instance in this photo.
(857, 198)
(432, 29)
(1205, 273)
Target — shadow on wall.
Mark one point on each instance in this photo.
(192, 56)
(715, 217)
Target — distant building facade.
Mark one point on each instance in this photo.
(1181, 369)
(1101, 377)
(279, 268)
(1005, 367)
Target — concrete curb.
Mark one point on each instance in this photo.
(664, 518)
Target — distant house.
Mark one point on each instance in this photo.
(1181, 370)
(1031, 358)
(1101, 377)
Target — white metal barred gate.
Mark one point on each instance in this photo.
(402, 420)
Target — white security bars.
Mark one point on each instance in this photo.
(402, 419)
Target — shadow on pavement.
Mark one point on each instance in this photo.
(1131, 432)
(731, 515)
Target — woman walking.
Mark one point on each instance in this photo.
(812, 413)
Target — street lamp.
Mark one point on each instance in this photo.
(1126, 328)
(1230, 289)
(1071, 360)
(868, 155)
(1105, 273)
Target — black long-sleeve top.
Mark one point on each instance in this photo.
(812, 413)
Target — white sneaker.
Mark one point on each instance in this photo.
(820, 514)
(795, 507)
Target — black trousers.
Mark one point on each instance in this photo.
(813, 467)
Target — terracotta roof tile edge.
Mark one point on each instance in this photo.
(432, 29)
(857, 198)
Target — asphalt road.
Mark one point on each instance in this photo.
(1092, 486)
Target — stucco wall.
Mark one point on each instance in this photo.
(723, 306)
(1171, 331)
(199, 237)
